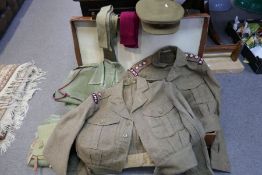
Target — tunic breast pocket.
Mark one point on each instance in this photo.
(201, 100)
(196, 86)
(163, 119)
(97, 140)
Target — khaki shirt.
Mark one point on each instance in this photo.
(103, 129)
(84, 80)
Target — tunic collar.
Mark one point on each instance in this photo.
(99, 77)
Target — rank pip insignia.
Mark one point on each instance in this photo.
(194, 58)
(96, 97)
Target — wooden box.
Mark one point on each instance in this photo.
(85, 36)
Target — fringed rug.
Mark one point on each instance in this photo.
(18, 83)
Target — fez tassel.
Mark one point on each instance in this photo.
(20, 88)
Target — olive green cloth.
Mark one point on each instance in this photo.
(84, 80)
(102, 131)
(159, 16)
(36, 156)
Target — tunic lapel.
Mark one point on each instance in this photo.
(139, 97)
(116, 100)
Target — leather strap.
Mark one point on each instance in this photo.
(64, 94)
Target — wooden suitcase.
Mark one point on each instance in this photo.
(84, 30)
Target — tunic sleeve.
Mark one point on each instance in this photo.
(59, 144)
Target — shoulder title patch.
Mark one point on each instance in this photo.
(194, 58)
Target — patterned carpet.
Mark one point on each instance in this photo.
(18, 83)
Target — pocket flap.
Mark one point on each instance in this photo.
(188, 82)
(157, 110)
(104, 120)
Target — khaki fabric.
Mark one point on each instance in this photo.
(57, 149)
(201, 90)
(219, 157)
(102, 132)
(35, 155)
(199, 87)
(193, 80)
(106, 23)
(101, 24)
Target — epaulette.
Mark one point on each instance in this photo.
(194, 58)
(96, 97)
(138, 67)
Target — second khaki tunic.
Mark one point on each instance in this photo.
(199, 87)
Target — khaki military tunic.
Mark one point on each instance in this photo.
(153, 69)
(103, 129)
(191, 75)
(187, 72)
